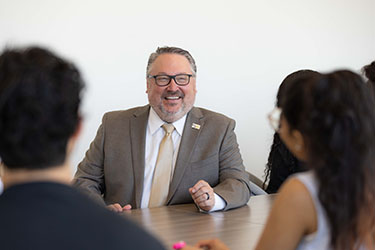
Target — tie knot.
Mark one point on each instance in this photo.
(168, 127)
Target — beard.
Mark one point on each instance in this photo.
(169, 116)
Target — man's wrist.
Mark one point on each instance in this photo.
(219, 204)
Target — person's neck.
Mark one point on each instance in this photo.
(60, 174)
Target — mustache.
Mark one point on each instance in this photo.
(168, 93)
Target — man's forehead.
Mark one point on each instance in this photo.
(171, 62)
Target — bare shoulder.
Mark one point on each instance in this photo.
(294, 191)
(296, 199)
(292, 217)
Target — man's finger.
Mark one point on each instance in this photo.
(206, 192)
(199, 185)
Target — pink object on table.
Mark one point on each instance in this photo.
(179, 245)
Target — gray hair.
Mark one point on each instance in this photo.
(171, 50)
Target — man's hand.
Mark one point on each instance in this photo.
(117, 207)
(203, 195)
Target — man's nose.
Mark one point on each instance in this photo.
(172, 85)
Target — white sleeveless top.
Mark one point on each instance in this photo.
(321, 238)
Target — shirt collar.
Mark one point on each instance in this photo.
(154, 122)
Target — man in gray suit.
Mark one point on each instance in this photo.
(120, 167)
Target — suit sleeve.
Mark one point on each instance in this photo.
(89, 177)
(234, 186)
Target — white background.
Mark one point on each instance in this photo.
(243, 50)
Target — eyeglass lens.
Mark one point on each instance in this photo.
(181, 79)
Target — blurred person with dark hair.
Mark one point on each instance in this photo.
(281, 162)
(328, 122)
(40, 94)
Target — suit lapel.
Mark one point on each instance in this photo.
(188, 140)
(138, 125)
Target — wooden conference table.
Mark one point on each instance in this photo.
(238, 228)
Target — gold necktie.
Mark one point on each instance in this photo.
(163, 169)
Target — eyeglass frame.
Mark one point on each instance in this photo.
(170, 79)
(274, 118)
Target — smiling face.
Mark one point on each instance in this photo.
(171, 102)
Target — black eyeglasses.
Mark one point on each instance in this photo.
(164, 80)
(274, 118)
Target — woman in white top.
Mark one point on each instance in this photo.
(327, 121)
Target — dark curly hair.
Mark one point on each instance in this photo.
(281, 162)
(39, 101)
(335, 114)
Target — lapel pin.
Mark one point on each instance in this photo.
(196, 126)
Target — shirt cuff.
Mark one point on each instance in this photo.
(219, 204)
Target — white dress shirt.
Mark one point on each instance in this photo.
(154, 136)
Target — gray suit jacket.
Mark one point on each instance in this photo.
(113, 167)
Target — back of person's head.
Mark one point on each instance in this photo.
(39, 101)
(292, 77)
(277, 145)
(335, 115)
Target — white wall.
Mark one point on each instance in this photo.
(243, 50)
